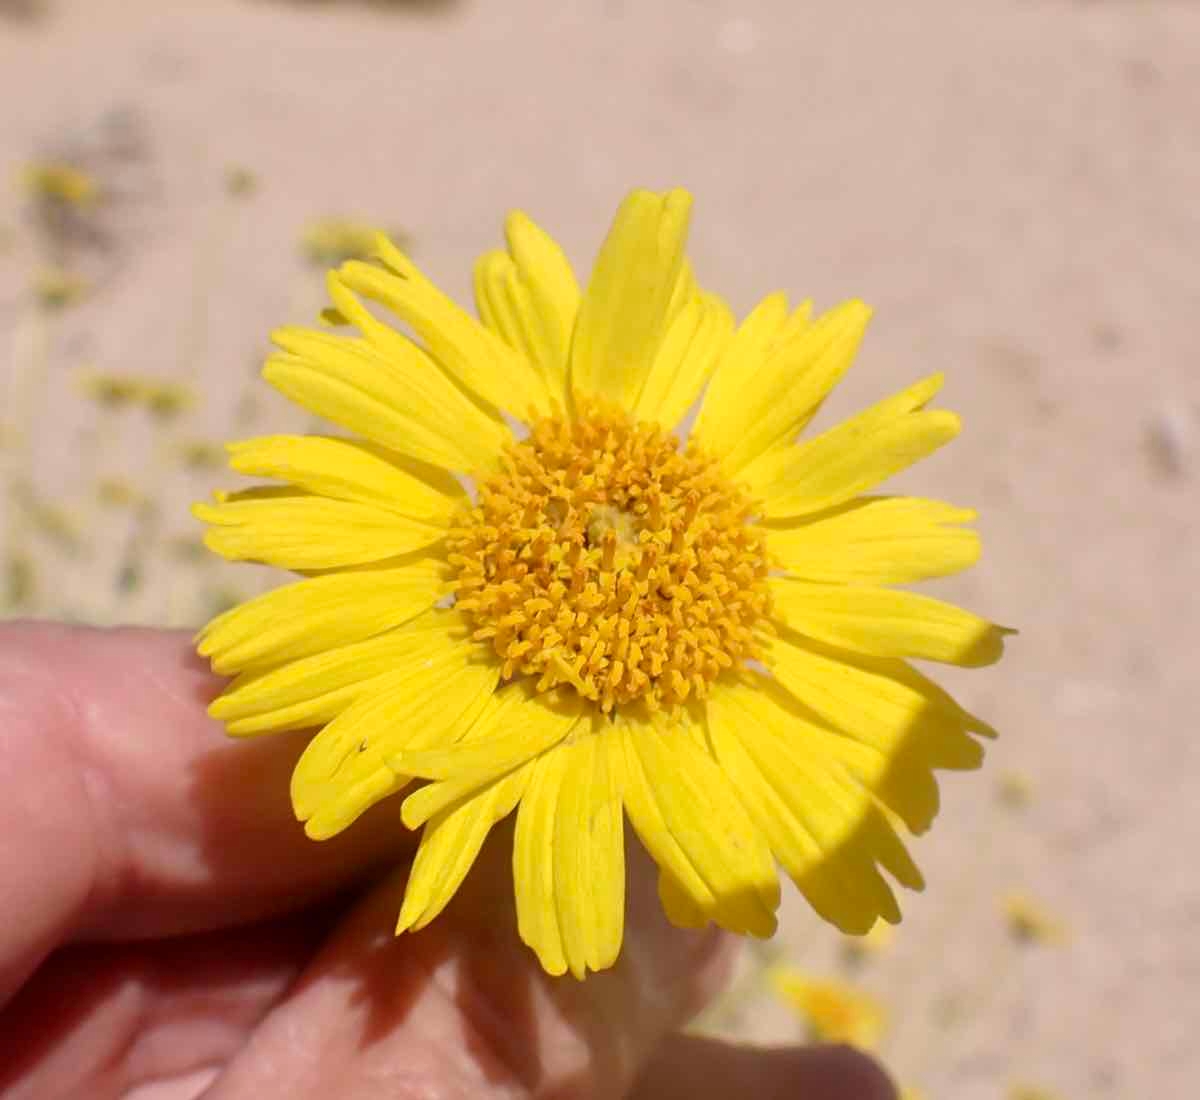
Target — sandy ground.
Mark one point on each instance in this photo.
(1010, 182)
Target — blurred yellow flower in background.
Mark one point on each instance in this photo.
(1014, 789)
(58, 181)
(109, 389)
(1022, 1091)
(118, 492)
(333, 240)
(833, 1011)
(701, 635)
(166, 400)
(57, 288)
(1030, 922)
(200, 454)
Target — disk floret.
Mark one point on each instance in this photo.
(606, 557)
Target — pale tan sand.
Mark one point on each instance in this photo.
(1012, 184)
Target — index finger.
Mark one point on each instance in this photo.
(126, 812)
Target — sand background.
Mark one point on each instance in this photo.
(1011, 183)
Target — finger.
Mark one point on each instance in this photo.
(127, 812)
(99, 1020)
(462, 1009)
(689, 1067)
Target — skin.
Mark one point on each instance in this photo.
(167, 931)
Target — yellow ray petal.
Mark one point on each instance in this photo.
(449, 845)
(350, 470)
(296, 530)
(528, 296)
(533, 863)
(310, 616)
(886, 623)
(737, 367)
(693, 343)
(316, 689)
(514, 728)
(398, 398)
(853, 457)
(678, 904)
(432, 701)
(624, 313)
(589, 856)
(453, 836)
(871, 699)
(888, 708)
(822, 825)
(878, 540)
(693, 825)
(783, 393)
(474, 356)
(898, 771)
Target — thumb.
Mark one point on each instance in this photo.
(462, 1008)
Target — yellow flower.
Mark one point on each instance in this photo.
(1023, 1091)
(20, 581)
(56, 524)
(201, 454)
(56, 288)
(834, 1012)
(117, 492)
(58, 181)
(698, 636)
(1014, 790)
(240, 182)
(166, 400)
(332, 240)
(109, 389)
(1029, 922)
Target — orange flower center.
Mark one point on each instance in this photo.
(605, 557)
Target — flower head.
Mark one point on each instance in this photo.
(694, 630)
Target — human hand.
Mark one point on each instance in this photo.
(167, 931)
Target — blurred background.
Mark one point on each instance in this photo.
(1011, 183)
